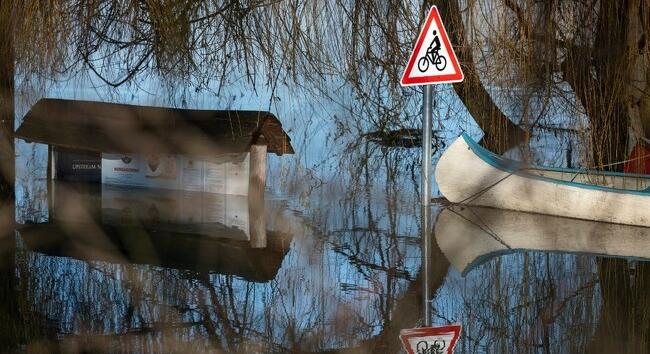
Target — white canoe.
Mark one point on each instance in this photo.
(470, 236)
(469, 174)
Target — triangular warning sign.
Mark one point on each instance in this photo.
(425, 340)
(433, 60)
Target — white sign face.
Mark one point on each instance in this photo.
(437, 344)
(433, 59)
(430, 340)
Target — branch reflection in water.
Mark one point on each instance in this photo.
(543, 283)
(124, 269)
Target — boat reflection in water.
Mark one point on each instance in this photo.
(470, 236)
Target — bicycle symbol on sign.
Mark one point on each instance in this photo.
(432, 56)
(438, 347)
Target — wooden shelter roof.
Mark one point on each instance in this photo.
(122, 128)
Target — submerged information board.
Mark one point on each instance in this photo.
(227, 174)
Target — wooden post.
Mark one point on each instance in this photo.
(51, 163)
(256, 185)
(51, 174)
(53, 158)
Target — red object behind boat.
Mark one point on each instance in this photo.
(638, 161)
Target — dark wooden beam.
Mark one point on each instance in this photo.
(7, 158)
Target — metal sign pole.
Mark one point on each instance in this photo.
(426, 145)
(426, 267)
(429, 65)
(427, 119)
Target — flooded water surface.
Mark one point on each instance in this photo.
(338, 267)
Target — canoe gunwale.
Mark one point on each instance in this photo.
(513, 167)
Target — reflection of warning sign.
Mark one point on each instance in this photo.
(430, 340)
(433, 60)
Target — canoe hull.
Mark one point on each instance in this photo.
(465, 177)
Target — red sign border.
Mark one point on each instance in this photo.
(432, 331)
(458, 76)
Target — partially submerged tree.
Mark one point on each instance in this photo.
(35, 39)
(588, 58)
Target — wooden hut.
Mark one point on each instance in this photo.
(85, 135)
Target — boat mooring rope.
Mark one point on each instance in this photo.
(482, 191)
(593, 168)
